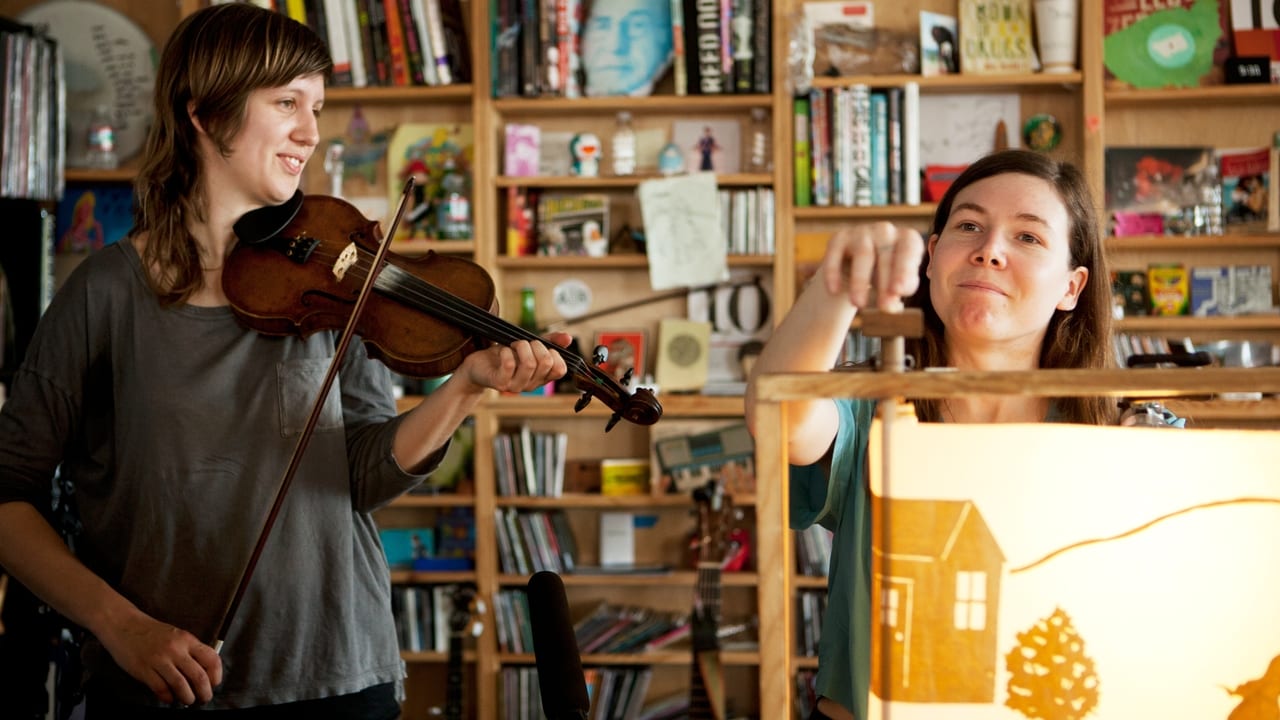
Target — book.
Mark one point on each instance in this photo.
(1180, 43)
(1129, 290)
(1246, 178)
(421, 150)
(704, 67)
(1230, 290)
(1273, 188)
(405, 548)
(521, 233)
(1157, 180)
(995, 36)
(801, 157)
(521, 150)
(1255, 33)
(938, 44)
(617, 539)
(571, 224)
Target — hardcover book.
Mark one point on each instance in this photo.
(995, 37)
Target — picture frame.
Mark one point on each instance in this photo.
(709, 145)
(627, 350)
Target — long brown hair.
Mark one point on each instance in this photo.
(1077, 338)
(215, 58)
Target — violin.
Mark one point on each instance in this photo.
(299, 268)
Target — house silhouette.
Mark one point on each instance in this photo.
(935, 595)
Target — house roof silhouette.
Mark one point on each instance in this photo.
(930, 528)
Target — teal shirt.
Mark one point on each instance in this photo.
(839, 503)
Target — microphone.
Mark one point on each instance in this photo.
(555, 650)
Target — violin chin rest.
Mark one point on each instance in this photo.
(266, 222)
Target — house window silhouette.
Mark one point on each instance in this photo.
(889, 607)
(971, 600)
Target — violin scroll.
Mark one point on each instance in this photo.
(640, 407)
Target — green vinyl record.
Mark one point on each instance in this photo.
(1167, 48)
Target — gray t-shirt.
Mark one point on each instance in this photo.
(175, 426)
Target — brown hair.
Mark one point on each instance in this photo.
(1077, 338)
(215, 58)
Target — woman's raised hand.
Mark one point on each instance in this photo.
(880, 256)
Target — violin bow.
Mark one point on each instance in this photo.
(340, 351)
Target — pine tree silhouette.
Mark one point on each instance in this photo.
(1050, 676)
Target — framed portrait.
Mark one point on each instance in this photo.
(708, 145)
(626, 352)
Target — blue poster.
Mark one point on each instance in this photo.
(92, 216)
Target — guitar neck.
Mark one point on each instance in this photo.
(706, 680)
(708, 594)
(453, 692)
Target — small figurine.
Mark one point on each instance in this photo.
(671, 160)
(585, 148)
(418, 217)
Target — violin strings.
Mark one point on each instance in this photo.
(430, 298)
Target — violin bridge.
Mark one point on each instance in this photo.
(346, 259)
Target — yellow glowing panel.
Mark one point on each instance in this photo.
(1124, 573)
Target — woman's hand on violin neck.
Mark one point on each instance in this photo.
(522, 365)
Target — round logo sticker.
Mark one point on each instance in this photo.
(1042, 132)
(572, 298)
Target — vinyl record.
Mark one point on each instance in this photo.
(109, 62)
(1172, 47)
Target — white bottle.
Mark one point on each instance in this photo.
(623, 150)
(759, 155)
(100, 150)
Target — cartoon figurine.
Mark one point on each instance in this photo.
(585, 148)
(670, 160)
(418, 216)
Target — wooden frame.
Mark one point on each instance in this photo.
(773, 392)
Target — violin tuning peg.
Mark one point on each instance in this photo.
(626, 378)
(613, 420)
(599, 354)
(582, 402)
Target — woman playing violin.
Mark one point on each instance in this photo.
(174, 422)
